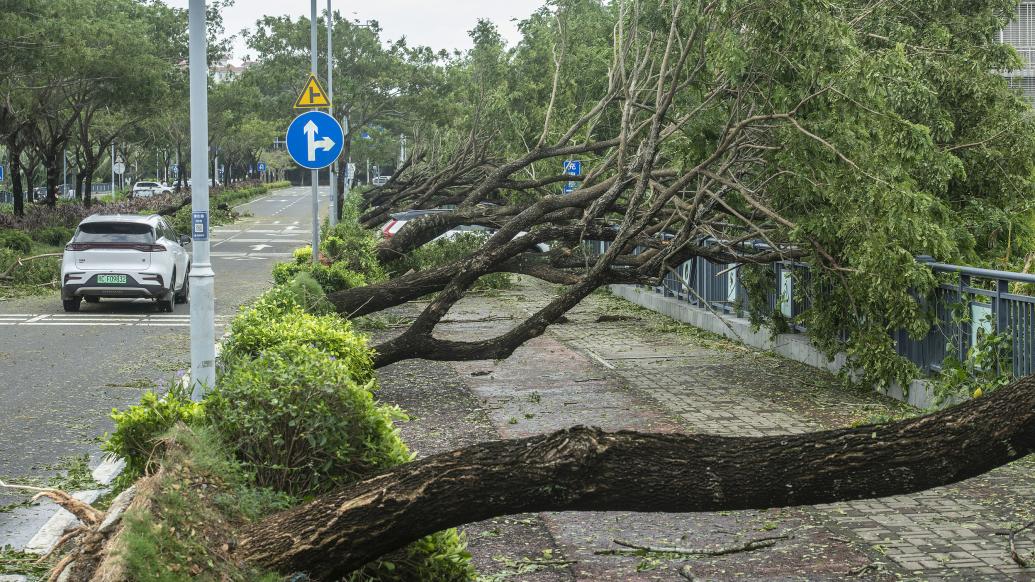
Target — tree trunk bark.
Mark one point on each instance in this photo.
(91, 167)
(80, 181)
(587, 469)
(16, 180)
(53, 170)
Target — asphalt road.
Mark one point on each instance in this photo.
(62, 373)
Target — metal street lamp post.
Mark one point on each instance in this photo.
(315, 173)
(202, 278)
(333, 207)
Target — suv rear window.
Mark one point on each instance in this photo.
(147, 184)
(117, 232)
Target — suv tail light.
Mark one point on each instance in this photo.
(147, 248)
(387, 230)
(149, 278)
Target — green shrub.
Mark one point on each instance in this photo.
(300, 420)
(284, 272)
(307, 293)
(275, 320)
(54, 236)
(349, 243)
(333, 277)
(441, 556)
(445, 251)
(16, 240)
(299, 290)
(138, 427)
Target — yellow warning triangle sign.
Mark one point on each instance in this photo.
(312, 95)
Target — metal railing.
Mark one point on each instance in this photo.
(966, 304)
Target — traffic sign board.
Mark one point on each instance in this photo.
(571, 168)
(119, 168)
(262, 166)
(314, 140)
(1, 173)
(312, 95)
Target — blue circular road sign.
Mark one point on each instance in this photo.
(262, 167)
(314, 140)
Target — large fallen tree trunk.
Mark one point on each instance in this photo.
(587, 469)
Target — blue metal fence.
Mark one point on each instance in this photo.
(967, 303)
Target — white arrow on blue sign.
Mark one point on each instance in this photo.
(262, 166)
(314, 140)
(571, 168)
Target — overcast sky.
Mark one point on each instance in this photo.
(440, 25)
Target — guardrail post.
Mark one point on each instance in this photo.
(964, 326)
(1002, 313)
(1002, 307)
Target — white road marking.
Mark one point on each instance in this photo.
(105, 320)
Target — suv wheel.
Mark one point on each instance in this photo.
(183, 295)
(72, 304)
(165, 304)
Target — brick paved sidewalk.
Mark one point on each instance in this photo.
(642, 371)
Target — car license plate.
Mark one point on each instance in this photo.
(111, 279)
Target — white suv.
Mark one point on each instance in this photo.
(148, 189)
(126, 256)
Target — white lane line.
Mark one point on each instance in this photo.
(37, 318)
(74, 323)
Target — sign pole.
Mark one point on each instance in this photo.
(113, 169)
(202, 278)
(315, 173)
(333, 207)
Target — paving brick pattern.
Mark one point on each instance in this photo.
(947, 533)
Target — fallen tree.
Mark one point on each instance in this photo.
(699, 139)
(586, 469)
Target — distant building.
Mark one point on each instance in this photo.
(225, 70)
(1021, 35)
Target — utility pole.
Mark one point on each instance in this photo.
(113, 169)
(64, 172)
(315, 173)
(333, 207)
(368, 171)
(202, 278)
(348, 162)
(402, 148)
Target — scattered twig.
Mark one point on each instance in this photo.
(610, 318)
(1013, 545)
(862, 569)
(21, 260)
(639, 550)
